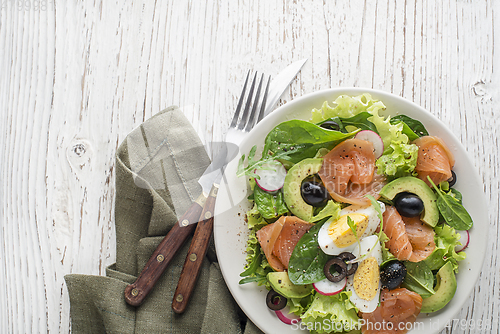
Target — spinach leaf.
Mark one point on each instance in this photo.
(419, 279)
(452, 211)
(296, 140)
(307, 259)
(269, 205)
(457, 195)
(359, 121)
(413, 125)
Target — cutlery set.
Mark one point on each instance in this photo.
(199, 218)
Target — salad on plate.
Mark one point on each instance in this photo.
(355, 226)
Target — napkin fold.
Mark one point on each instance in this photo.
(157, 168)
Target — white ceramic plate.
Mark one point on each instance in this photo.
(231, 233)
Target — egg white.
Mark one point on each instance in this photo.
(366, 244)
(373, 220)
(326, 243)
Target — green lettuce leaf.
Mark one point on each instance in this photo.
(269, 205)
(387, 131)
(331, 209)
(257, 266)
(331, 314)
(446, 239)
(400, 161)
(346, 107)
(386, 254)
(299, 306)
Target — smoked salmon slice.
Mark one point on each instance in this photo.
(267, 237)
(434, 159)
(409, 238)
(280, 238)
(348, 172)
(398, 309)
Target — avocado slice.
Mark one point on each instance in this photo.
(291, 188)
(281, 284)
(413, 185)
(445, 290)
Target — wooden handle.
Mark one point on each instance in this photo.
(196, 254)
(137, 291)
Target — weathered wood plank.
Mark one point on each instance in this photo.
(76, 77)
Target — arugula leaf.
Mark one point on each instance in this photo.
(269, 205)
(256, 164)
(354, 230)
(350, 222)
(307, 259)
(254, 264)
(419, 279)
(452, 211)
(415, 126)
(259, 279)
(377, 208)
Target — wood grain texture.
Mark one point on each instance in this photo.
(76, 77)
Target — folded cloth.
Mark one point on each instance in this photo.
(157, 168)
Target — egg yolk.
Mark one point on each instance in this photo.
(340, 232)
(366, 279)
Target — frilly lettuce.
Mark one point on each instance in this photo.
(401, 161)
(346, 106)
(446, 239)
(330, 314)
(387, 131)
(255, 260)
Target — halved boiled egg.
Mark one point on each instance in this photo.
(365, 284)
(335, 236)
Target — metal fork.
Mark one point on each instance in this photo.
(243, 121)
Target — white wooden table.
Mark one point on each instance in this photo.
(77, 76)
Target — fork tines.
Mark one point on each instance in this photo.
(250, 118)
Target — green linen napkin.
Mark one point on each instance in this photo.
(157, 168)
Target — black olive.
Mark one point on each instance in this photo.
(346, 256)
(453, 179)
(392, 274)
(330, 125)
(275, 301)
(314, 192)
(339, 266)
(408, 205)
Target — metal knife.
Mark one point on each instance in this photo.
(200, 211)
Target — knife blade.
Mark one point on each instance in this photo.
(136, 292)
(276, 88)
(203, 232)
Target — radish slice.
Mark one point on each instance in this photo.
(271, 177)
(464, 240)
(287, 317)
(328, 288)
(374, 138)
